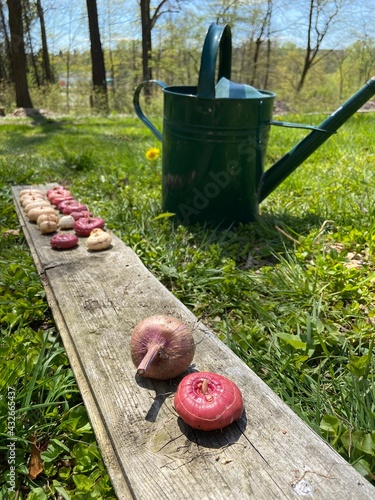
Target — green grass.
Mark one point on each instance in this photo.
(292, 295)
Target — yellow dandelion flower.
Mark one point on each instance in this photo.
(153, 154)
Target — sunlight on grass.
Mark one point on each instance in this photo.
(292, 295)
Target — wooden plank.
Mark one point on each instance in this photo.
(97, 299)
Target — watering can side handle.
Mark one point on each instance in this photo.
(300, 125)
(138, 110)
(218, 37)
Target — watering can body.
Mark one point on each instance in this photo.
(213, 154)
(214, 148)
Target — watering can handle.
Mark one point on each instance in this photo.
(218, 37)
(139, 111)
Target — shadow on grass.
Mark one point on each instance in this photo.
(257, 244)
(26, 133)
(22, 135)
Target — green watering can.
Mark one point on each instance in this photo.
(215, 138)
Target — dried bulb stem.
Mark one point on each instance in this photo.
(151, 354)
(204, 386)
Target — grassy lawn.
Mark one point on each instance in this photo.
(292, 295)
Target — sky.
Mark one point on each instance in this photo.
(67, 21)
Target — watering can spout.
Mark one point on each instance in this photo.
(299, 153)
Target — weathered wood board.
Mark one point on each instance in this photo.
(97, 299)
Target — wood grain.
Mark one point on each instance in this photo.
(97, 299)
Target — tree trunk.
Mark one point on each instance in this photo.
(258, 43)
(48, 74)
(100, 95)
(319, 24)
(146, 43)
(306, 66)
(269, 44)
(18, 55)
(32, 59)
(7, 72)
(67, 93)
(148, 22)
(134, 61)
(260, 39)
(268, 62)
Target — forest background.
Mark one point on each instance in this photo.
(88, 56)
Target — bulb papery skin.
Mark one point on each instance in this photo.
(161, 347)
(82, 213)
(66, 222)
(59, 199)
(208, 401)
(98, 240)
(28, 198)
(30, 192)
(64, 241)
(85, 225)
